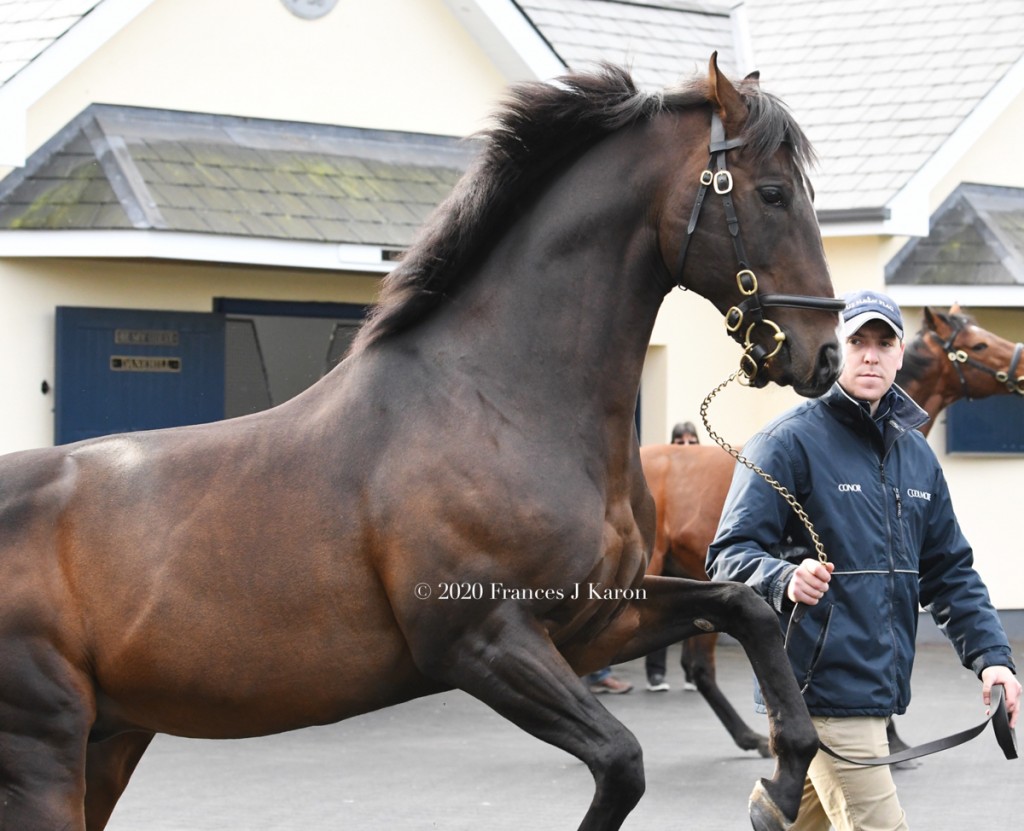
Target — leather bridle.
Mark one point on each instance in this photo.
(958, 357)
(749, 312)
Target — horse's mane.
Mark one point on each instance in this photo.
(918, 358)
(539, 126)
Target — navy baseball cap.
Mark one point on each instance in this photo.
(863, 306)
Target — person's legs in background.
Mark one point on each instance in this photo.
(656, 664)
(603, 682)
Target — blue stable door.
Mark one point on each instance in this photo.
(120, 370)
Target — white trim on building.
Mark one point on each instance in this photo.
(186, 247)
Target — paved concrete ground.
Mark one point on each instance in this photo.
(447, 762)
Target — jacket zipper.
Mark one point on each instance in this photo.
(892, 571)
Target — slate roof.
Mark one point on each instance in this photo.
(880, 85)
(977, 237)
(128, 167)
(660, 42)
(29, 27)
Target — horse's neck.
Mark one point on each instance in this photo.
(562, 307)
(934, 391)
(933, 405)
(563, 333)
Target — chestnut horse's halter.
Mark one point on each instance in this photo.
(750, 311)
(958, 357)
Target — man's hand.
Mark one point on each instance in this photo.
(810, 582)
(1011, 689)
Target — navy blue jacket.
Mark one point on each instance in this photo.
(878, 499)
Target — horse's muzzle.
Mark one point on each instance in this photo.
(826, 371)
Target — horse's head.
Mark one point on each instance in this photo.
(984, 364)
(750, 241)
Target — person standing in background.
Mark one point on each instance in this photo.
(656, 664)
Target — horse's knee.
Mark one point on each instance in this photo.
(618, 769)
(797, 740)
(747, 611)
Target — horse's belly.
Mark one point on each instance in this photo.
(232, 687)
(223, 641)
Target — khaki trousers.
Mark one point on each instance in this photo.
(850, 797)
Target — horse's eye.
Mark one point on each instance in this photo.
(772, 195)
(979, 347)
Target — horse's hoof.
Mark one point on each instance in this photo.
(765, 815)
(755, 741)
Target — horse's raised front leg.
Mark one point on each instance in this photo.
(698, 661)
(507, 660)
(674, 609)
(108, 767)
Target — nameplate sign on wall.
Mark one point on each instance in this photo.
(146, 337)
(144, 363)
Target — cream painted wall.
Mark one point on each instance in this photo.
(993, 160)
(985, 491)
(32, 289)
(425, 72)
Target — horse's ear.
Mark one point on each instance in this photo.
(723, 95)
(754, 77)
(954, 309)
(929, 319)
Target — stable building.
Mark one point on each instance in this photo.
(198, 200)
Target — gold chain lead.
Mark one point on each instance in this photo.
(771, 480)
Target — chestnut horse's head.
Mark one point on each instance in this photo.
(982, 363)
(749, 238)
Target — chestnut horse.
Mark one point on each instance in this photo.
(950, 358)
(459, 503)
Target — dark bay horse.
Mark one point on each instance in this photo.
(689, 484)
(459, 504)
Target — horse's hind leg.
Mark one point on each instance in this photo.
(698, 662)
(108, 767)
(508, 661)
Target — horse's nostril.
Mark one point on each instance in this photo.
(828, 363)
